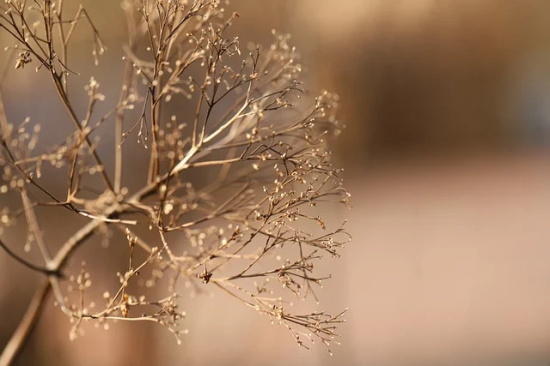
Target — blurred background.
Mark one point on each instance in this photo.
(446, 151)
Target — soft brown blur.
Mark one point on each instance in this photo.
(447, 107)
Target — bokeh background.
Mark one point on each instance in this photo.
(446, 151)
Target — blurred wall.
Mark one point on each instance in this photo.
(431, 75)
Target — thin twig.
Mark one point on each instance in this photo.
(25, 262)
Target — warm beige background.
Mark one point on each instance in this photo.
(448, 111)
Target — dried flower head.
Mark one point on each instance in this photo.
(238, 169)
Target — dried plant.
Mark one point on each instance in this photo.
(237, 164)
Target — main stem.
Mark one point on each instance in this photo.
(26, 326)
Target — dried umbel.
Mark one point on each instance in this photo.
(238, 167)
